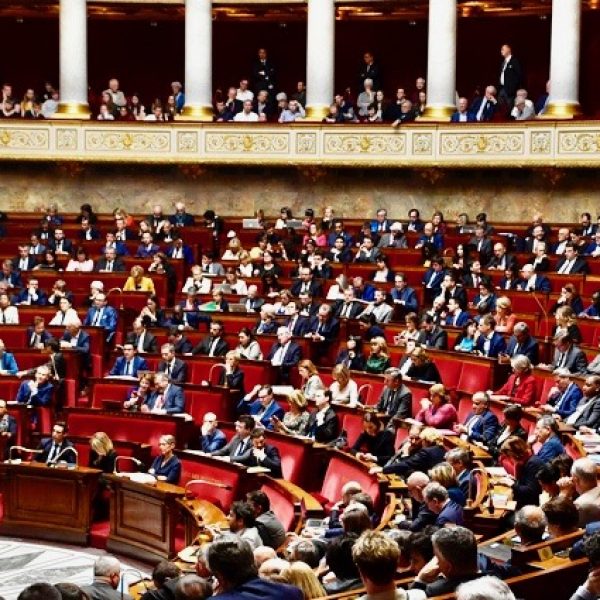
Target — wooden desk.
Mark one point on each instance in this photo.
(198, 514)
(478, 453)
(48, 503)
(143, 518)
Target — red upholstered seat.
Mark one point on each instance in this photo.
(352, 425)
(293, 452)
(281, 504)
(450, 370)
(474, 377)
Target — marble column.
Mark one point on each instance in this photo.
(73, 83)
(564, 60)
(198, 61)
(441, 61)
(320, 56)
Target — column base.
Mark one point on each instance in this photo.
(196, 112)
(72, 110)
(437, 113)
(561, 110)
(315, 113)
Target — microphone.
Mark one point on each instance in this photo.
(130, 458)
(217, 484)
(211, 371)
(72, 449)
(143, 579)
(21, 449)
(544, 312)
(369, 388)
(120, 291)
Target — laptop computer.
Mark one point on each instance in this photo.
(251, 224)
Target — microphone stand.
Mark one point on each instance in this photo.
(544, 312)
(212, 369)
(130, 458)
(21, 449)
(72, 449)
(120, 291)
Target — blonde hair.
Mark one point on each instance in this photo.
(235, 355)
(444, 474)
(300, 575)
(100, 443)
(383, 347)
(505, 303)
(309, 365)
(431, 436)
(566, 313)
(297, 398)
(438, 389)
(341, 374)
(137, 271)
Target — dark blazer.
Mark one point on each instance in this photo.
(485, 429)
(527, 488)
(67, 245)
(486, 251)
(253, 305)
(455, 118)
(139, 364)
(183, 346)
(231, 449)
(174, 402)
(299, 327)
(291, 358)
(31, 262)
(542, 284)
(436, 283)
(171, 469)
(422, 460)
(488, 112)
(508, 261)
(459, 294)
(44, 336)
(330, 329)
(458, 320)
(566, 404)
(235, 380)
(406, 299)
(354, 364)
(43, 396)
(380, 445)
(580, 265)
(203, 347)
(108, 320)
(273, 410)
(117, 267)
(513, 76)
(268, 328)
(188, 255)
(590, 417)
(355, 309)
(23, 296)
(345, 256)
(328, 431)
(437, 338)
(315, 288)
(497, 345)
(550, 449)
(576, 360)
(443, 586)
(94, 234)
(272, 461)
(150, 343)
(178, 372)
(46, 446)
(425, 372)
(396, 403)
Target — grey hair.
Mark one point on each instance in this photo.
(520, 327)
(435, 491)
(585, 469)
(520, 361)
(105, 566)
(484, 588)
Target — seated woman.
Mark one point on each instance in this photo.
(166, 466)
(379, 359)
(336, 290)
(152, 313)
(236, 284)
(411, 332)
(136, 282)
(569, 296)
(48, 262)
(245, 268)
(526, 488)
(521, 386)
(295, 420)
(138, 395)
(444, 474)
(219, 302)
(82, 263)
(375, 443)
(383, 274)
(65, 315)
(437, 410)
(510, 427)
(344, 389)
(267, 266)
(468, 337)
(423, 368)
(566, 323)
(248, 348)
(510, 279)
(352, 356)
(232, 376)
(102, 453)
(197, 282)
(311, 382)
(284, 305)
(234, 249)
(505, 319)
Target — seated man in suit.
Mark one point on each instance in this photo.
(262, 454)
(141, 339)
(586, 417)
(368, 252)
(129, 364)
(546, 434)
(571, 263)
(10, 276)
(456, 317)
(484, 108)
(403, 296)
(501, 261)
(438, 501)
(339, 252)
(323, 423)
(433, 278)
(24, 261)
(240, 444)
(147, 249)
(180, 342)
(567, 355)
(37, 391)
(379, 308)
(323, 329)
(264, 408)
(102, 315)
(481, 424)
(213, 344)
(462, 113)
(167, 399)
(294, 322)
(60, 244)
(8, 428)
(396, 399)
(348, 307)
(31, 295)
(306, 284)
(178, 250)
(394, 239)
(522, 342)
(450, 288)
(253, 301)
(266, 324)
(481, 244)
(211, 437)
(56, 447)
(110, 263)
(174, 367)
(490, 343)
(111, 242)
(564, 397)
(74, 338)
(284, 354)
(432, 335)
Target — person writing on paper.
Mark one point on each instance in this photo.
(262, 454)
(166, 466)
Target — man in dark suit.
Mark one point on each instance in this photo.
(262, 454)
(142, 340)
(87, 233)
(180, 342)
(296, 323)
(174, 367)
(37, 335)
(396, 399)
(433, 278)
(482, 244)
(568, 356)
(432, 335)
(323, 424)
(10, 276)
(214, 344)
(481, 424)
(511, 77)
(490, 343)
(462, 114)
(381, 224)
(349, 307)
(306, 284)
(521, 342)
(109, 263)
(8, 428)
(181, 218)
(74, 338)
(484, 108)
(307, 306)
(129, 364)
(370, 70)
(25, 261)
(339, 253)
(240, 445)
(501, 261)
(323, 328)
(263, 73)
(32, 295)
(588, 227)
(474, 278)
(453, 291)
(404, 298)
(284, 354)
(571, 263)
(530, 281)
(60, 244)
(102, 315)
(167, 399)
(119, 247)
(253, 302)
(178, 250)
(53, 447)
(37, 391)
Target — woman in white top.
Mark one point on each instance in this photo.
(66, 314)
(411, 332)
(238, 286)
(286, 215)
(245, 267)
(248, 347)
(81, 263)
(336, 291)
(344, 389)
(234, 249)
(366, 98)
(196, 282)
(311, 382)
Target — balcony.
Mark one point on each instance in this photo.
(531, 144)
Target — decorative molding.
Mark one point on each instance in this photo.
(421, 145)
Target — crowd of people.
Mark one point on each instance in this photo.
(431, 543)
(260, 99)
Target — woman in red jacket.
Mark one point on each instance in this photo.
(520, 387)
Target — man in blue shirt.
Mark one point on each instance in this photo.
(102, 315)
(211, 438)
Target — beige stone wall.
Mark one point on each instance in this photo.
(514, 195)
